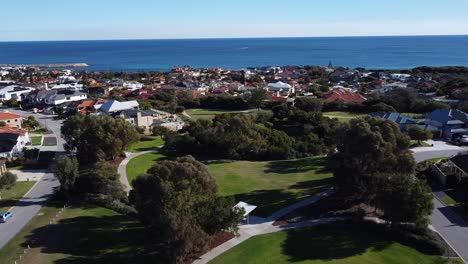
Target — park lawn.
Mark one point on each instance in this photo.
(323, 244)
(147, 143)
(210, 114)
(414, 144)
(414, 115)
(36, 140)
(343, 114)
(141, 164)
(271, 185)
(81, 235)
(9, 197)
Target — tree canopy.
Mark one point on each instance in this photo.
(97, 138)
(369, 146)
(177, 200)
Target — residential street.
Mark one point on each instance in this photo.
(27, 208)
(451, 227)
(39, 194)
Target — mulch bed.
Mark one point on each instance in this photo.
(216, 240)
(220, 238)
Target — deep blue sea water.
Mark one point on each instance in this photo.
(146, 55)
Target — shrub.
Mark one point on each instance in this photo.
(7, 180)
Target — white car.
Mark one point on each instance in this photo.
(463, 140)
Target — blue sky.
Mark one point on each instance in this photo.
(148, 19)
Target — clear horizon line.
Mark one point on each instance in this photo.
(219, 38)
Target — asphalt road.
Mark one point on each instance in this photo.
(39, 194)
(27, 208)
(448, 224)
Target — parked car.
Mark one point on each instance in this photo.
(463, 140)
(4, 216)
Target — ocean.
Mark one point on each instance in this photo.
(161, 55)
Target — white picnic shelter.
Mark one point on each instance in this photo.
(248, 208)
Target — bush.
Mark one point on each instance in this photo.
(7, 180)
(15, 162)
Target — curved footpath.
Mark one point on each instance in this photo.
(40, 193)
(443, 220)
(122, 170)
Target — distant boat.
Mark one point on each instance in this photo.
(244, 48)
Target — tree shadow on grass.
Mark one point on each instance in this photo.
(84, 239)
(328, 242)
(270, 201)
(297, 166)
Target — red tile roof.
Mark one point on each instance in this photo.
(344, 95)
(12, 130)
(7, 116)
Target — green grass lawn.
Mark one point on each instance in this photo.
(36, 140)
(323, 245)
(210, 114)
(9, 197)
(271, 185)
(414, 144)
(141, 164)
(414, 115)
(343, 114)
(147, 143)
(82, 235)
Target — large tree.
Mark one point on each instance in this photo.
(177, 200)
(97, 138)
(255, 97)
(418, 133)
(66, 171)
(403, 198)
(367, 147)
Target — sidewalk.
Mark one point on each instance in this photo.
(266, 226)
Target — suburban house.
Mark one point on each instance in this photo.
(345, 95)
(405, 122)
(14, 92)
(113, 106)
(455, 166)
(10, 119)
(281, 88)
(450, 122)
(58, 97)
(89, 106)
(12, 141)
(148, 119)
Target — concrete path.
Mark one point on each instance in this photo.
(266, 226)
(122, 170)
